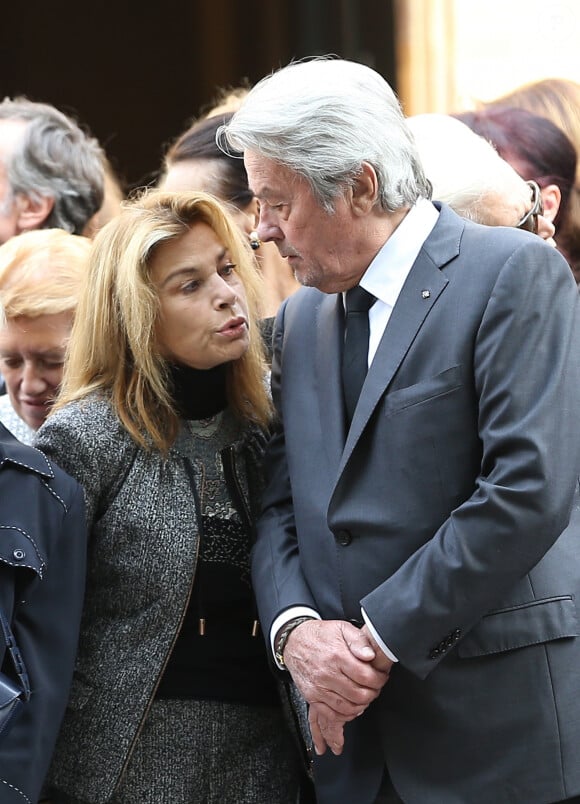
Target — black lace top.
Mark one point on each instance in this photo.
(218, 653)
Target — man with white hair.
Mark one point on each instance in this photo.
(415, 569)
(467, 173)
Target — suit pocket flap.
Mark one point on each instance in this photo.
(423, 391)
(18, 549)
(521, 626)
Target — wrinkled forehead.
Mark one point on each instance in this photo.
(268, 177)
(35, 335)
(193, 174)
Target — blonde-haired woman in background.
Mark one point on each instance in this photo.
(41, 273)
(163, 418)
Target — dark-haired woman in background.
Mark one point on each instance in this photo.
(558, 100)
(538, 150)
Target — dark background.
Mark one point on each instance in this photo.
(135, 73)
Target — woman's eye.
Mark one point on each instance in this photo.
(190, 287)
(228, 269)
(10, 362)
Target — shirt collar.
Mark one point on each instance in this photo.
(386, 274)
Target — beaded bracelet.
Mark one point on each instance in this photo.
(283, 638)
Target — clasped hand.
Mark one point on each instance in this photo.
(340, 670)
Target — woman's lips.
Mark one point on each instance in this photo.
(234, 328)
(35, 403)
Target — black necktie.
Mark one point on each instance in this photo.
(356, 345)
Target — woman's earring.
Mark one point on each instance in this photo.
(255, 241)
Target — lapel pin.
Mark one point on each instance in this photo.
(425, 294)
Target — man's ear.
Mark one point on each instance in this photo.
(365, 190)
(32, 212)
(551, 196)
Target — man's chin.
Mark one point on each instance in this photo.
(303, 275)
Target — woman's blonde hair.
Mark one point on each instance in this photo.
(113, 347)
(41, 272)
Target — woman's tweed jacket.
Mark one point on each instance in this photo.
(141, 564)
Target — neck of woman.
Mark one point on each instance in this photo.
(199, 393)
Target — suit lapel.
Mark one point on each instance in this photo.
(419, 294)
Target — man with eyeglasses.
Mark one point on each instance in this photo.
(467, 173)
(531, 220)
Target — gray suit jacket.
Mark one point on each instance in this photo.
(441, 512)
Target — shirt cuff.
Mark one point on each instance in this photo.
(286, 616)
(377, 638)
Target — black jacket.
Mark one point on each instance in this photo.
(43, 540)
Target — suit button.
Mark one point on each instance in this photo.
(344, 538)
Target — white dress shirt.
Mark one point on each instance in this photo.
(12, 421)
(384, 278)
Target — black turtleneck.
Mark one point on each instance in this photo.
(199, 393)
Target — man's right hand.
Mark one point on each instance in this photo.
(337, 685)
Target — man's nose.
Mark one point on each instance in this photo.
(268, 229)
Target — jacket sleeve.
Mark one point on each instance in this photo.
(86, 441)
(527, 382)
(277, 578)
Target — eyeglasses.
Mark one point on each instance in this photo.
(530, 219)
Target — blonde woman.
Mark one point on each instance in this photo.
(194, 162)
(162, 419)
(41, 273)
